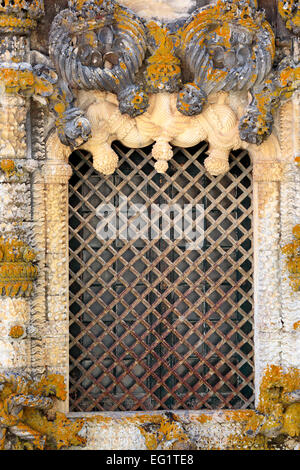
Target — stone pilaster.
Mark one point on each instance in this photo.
(17, 265)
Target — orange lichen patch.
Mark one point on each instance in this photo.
(100, 419)
(21, 5)
(296, 231)
(291, 420)
(296, 325)
(16, 331)
(50, 385)
(203, 419)
(8, 167)
(59, 108)
(274, 402)
(145, 419)
(288, 75)
(24, 418)
(276, 414)
(275, 386)
(79, 4)
(290, 12)
(286, 84)
(164, 67)
(241, 442)
(221, 15)
(168, 432)
(17, 272)
(24, 81)
(239, 416)
(60, 433)
(11, 23)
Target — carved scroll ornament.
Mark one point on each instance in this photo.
(100, 46)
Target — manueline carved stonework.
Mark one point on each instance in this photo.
(101, 46)
(227, 46)
(115, 74)
(25, 414)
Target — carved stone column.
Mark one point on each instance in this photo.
(56, 173)
(17, 257)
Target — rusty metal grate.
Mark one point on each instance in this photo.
(154, 325)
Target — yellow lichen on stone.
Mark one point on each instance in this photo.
(17, 272)
(291, 420)
(25, 422)
(60, 433)
(24, 82)
(51, 384)
(289, 10)
(296, 325)
(275, 387)
(164, 68)
(277, 417)
(275, 401)
(16, 331)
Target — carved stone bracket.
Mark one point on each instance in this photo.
(159, 73)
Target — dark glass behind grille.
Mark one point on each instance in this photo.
(154, 325)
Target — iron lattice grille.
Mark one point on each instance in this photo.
(154, 325)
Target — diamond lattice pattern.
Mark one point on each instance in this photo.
(156, 323)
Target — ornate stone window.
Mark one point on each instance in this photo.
(118, 90)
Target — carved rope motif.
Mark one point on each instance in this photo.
(227, 46)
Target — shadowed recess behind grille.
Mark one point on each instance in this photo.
(155, 325)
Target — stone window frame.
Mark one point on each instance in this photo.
(275, 208)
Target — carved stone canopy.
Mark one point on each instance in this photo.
(113, 74)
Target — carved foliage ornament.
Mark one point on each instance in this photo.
(227, 46)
